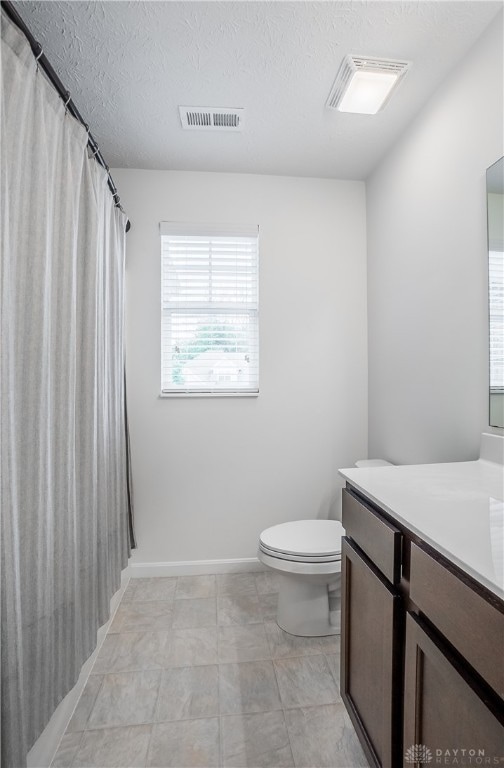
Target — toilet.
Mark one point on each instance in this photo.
(306, 556)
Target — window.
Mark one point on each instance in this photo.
(496, 313)
(209, 309)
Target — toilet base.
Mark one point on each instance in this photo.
(303, 607)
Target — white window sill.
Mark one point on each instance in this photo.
(164, 395)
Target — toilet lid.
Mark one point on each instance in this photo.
(305, 538)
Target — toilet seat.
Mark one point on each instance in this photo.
(300, 567)
(300, 558)
(304, 541)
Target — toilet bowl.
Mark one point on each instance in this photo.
(306, 555)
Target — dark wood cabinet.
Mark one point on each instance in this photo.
(378, 539)
(472, 625)
(443, 712)
(371, 656)
(422, 648)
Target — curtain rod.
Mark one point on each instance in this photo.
(43, 62)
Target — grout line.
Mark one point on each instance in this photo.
(156, 705)
(247, 713)
(288, 738)
(95, 698)
(147, 753)
(221, 743)
(72, 761)
(278, 686)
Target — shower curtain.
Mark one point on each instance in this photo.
(64, 524)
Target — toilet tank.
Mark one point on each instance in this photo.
(361, 463)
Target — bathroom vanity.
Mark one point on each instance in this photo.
(422, 639)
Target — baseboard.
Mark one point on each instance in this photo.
(42, 753)
(194, 567)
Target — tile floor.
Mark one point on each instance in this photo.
(194, 671)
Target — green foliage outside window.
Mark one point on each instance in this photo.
(227, 338)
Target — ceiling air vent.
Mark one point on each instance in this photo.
(364, 76)
(211, 118)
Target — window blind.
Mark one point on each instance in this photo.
(496, 312)
(209, 309)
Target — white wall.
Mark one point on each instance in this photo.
(427, 269)
(210, 474)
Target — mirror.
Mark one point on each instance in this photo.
(495, 214)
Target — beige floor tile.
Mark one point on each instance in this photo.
(188, 692)
(190, 587)
(236, 584)
(238, 609)
(323, 737)
(185, 744)
(243, 643)
(134, 651)
(196, 645)
(85, 704)
(258, 741)
(200, 612)
(268, 605)
(129, 591)
(154, 589)
(305, 681)
(248, 687)
(147, 616)
(267, 583)
(126, 698)
(333, 659)
(283, 645)
(114, 748)
(156, 678)
(67, 750)
(103, 662)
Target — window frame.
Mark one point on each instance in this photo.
(208, 230)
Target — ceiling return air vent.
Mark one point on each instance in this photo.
(211, 118)
(365, 84)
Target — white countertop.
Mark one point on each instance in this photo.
(456, 508)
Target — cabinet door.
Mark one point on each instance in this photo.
(443, 713)
(371, 658)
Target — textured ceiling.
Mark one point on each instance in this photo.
(129, 65)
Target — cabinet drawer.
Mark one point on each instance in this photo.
(472, 625)
(380, 541)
